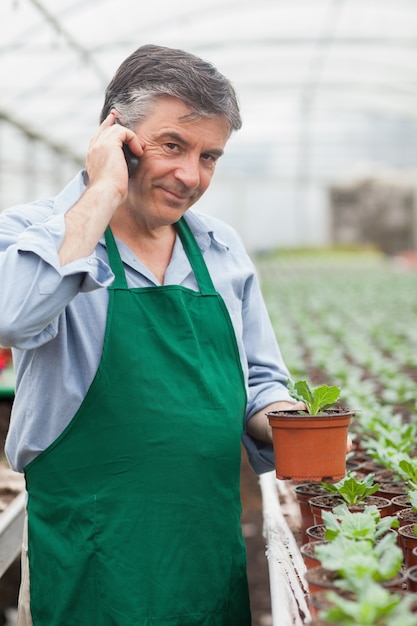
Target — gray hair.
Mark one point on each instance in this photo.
(155, 71)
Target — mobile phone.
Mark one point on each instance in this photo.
(132, 161)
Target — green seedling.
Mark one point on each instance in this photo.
(408, 468)
(316, 399)
(367, 524)
(396, 434)
(412, 496)
(353, 490)
(380, 450)
(361, 559)
(372, 605)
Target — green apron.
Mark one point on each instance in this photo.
(134, 511)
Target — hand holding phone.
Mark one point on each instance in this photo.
(132, 161)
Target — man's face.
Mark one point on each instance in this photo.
(178, 162)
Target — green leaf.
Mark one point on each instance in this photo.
(324, 397)
(301, 391)
(372, 605)
(412, 496)
(361, 558)
(359, 526)
(352, 490)
(390, 557)
(332, 524)
(317, 399)
(408, 466)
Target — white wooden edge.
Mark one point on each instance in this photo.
(11, 531)
(285, 564)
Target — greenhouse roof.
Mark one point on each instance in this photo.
(289, 59)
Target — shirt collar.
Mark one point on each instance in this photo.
(204, 236)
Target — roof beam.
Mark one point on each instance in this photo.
(36, 136)
(82, 52)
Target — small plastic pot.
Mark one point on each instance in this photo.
(310, 448)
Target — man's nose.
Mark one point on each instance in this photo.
(188, 172)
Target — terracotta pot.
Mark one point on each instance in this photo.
(318, 601)
(412, 579)
(387, 476)
(390, 489)
(320, 579)
(318, 504)
(406, 516)
(310, 447)
(398, 583)
(316, 532)
(327, 502)
(303, 493)
(308, 552)
(407, 540)
(400, 502)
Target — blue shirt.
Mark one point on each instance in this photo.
(54, 318)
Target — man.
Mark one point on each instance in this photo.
(143, 353)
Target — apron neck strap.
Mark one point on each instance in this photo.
(115, 260)
(191, 250)
(195, 257)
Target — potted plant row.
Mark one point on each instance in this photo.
(367, 578)
(351, 489)
(362, 563)
(359, 489)
(355, 490)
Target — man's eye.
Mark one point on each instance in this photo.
(172, 146)
(208, 157)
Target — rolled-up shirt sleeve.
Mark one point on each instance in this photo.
(44, 241)
(38, 288)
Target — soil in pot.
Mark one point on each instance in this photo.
(329, 502)
(316, 532)
(387, 476)
(406, 516)
(310, 448)
(400, 502)
(412, 579)
(390, 490)
(308, 552)
(303, 493)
